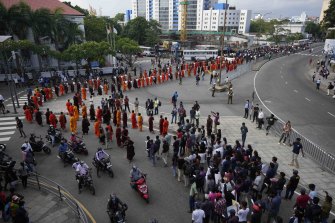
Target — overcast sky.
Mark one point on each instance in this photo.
(283, 8)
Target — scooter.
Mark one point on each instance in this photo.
(141, 187)
(118, 216)
(80, 148)
(3, 147)
(38, 146)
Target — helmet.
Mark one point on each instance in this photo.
(51, 126)
(81, 162)
(99, 149)
(72, 133)
(134, 167)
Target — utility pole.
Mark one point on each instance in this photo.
(11, 76)
(183, 30)
(222, 39)
(9, 82)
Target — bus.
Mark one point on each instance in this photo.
(302, 42)
(192, 55)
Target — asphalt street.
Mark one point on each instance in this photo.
(283, 87)
(168, 198)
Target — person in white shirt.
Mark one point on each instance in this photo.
(198, 215)
(242, 213)
(260, 119)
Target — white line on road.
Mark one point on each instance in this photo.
(11, 105)
(267, 101)
(281, 76)
(4, 139)
(331, 114)
(295, 91)
(7, 133)
(7, 127)
(8, 123)
(308, 99)
(286, 82)
(10, 118)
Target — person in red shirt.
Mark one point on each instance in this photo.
(302, 200)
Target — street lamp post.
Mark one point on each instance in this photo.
(11, 76)
(222, 43)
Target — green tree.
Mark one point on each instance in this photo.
(313, 28)
(19, 20)
(95, 28)
(119, 17)
(142, 31)
(128, 48)
(329, 16)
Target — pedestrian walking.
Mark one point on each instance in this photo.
(271, 121)
(216, 120)
(244, 131)
(260, 119)
(247, 106)
(287, 128)
(230, 96)
(297, 147)
(255, 113)
(213, 89)
(329, 88)
(23, 174)
(292, 185)
(174, 114)
(136, 105)
(19, 126)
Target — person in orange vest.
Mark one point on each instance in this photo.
(159, 79)
(35, 101)
(76, 112)
(50, 93)
(71, 109)
(39, 98)
(99, 113)
(140, 122)
(124, 85)
(165, 127)
(46, 91)
(166, 76)
(182, 73)
(151, 79)
(97, 124)
(142, 82)
(53, 119)
(61, 89)
(106, 88)
(62, 120)
(147, 81)
(83, 92)
(68, 104)
(118, 118)
(133, 120)
(84, 110)
(28, 115)
(73, 124)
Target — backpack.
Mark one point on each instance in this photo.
(159, 103)
(165, 147)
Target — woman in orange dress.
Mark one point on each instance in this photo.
(140, 122)
(97, 124)
(83, 93)
(133, 120)
(28, 115)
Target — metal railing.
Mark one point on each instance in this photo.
(43, 183)
(312, 150)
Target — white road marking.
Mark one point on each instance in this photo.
(7, 127)
(308, 99)
(286, 82)
(267, 101)
(295, 91)
(8, 123)
(10, 118)
(21, 99)
(331, 114)
(4, 139)
(11, 105)
(7, 133)
(281, 76)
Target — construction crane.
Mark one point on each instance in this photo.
(183, 32)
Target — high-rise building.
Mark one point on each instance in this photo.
(128, 15)
(325, 5)
(139, 8)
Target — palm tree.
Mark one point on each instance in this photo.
(73, 34)
(19, 20)
(3, 20)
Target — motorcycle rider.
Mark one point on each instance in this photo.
(74, 141)
(62, 149)
(81, 172)
(101, 157)
(28, 156)
(115, 204)
(135, 175)
(52, 134)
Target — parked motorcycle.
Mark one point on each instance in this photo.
(68, 157)
(58, 137)
(79, 148)
(105, 165)
(141, 187)
(39, 145)
(118, 216)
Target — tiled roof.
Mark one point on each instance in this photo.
(52, 5)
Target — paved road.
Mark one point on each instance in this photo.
(168, 197)
(283, 87)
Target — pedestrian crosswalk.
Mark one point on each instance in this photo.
(21, 100)
(7, 127)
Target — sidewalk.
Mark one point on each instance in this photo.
(45, 207)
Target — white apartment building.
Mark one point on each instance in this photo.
(238, 21)
(138, 8)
